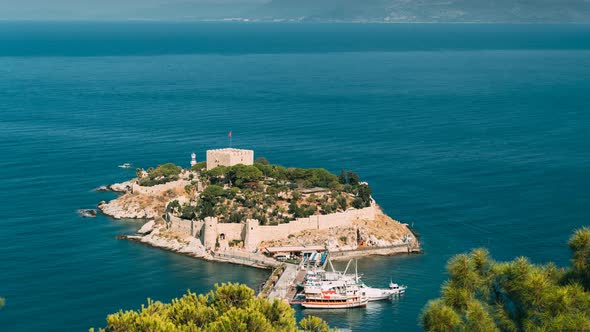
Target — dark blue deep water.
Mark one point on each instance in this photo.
(476, 134)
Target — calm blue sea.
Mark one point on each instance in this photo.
(478, 135)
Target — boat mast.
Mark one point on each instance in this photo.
(331, 266)
(347, 265)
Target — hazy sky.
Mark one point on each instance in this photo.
(96, 8)
(344, 10)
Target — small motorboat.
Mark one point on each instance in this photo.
(397, 289)
(125, 165)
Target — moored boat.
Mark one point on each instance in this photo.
(327, 279)
(397, 289)
(337, 295)
(335, 303)
(376, 294)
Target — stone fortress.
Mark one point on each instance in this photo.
(229, 157)
(214, 234)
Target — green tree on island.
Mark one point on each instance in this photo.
(262, 191)
(161, 174)
(484, 295)
(353, 178)
(342, 177)
(241, 174)
(230, 307)
(200, 166)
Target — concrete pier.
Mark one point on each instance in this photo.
(284, 284)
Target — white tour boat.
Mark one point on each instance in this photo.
(331, 279)
(336, 295)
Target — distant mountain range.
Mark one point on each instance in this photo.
(427, 10)
(456, 11)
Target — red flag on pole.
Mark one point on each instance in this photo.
(229, 134)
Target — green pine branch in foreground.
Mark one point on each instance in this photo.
(484, 295)
(230, 307)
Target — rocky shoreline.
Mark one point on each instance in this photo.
(117, 211)
(190, 247)
(158, 236)
(138, 205)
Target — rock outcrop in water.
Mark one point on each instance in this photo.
(127, 210)
(147, 228)
(87, 213)
(183, 244)
(122, 187)
(142, 203)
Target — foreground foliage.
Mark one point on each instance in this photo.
(230, 307)
(484, 295)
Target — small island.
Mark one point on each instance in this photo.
(233, 208)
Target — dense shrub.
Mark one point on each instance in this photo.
(199, 167)
(257, 190)
(161, 174)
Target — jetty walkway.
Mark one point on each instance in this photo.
(248, 259)
(284, 284)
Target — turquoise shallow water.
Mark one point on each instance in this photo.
(476, 134)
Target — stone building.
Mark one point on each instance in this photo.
(229, 157)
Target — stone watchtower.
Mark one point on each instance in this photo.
(229, 157)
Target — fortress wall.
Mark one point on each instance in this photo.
(300, 224)
(231, 231)
(269, 233)
(338, 219)
(334, 220)
(252, 233)
(345, 218)
(159, 188)
(190, 227)
(181, 226)
(282, 231)
(257, 233)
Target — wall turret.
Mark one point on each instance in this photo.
(250, 234)
(209, 233)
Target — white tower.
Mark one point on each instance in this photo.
(193, 159)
